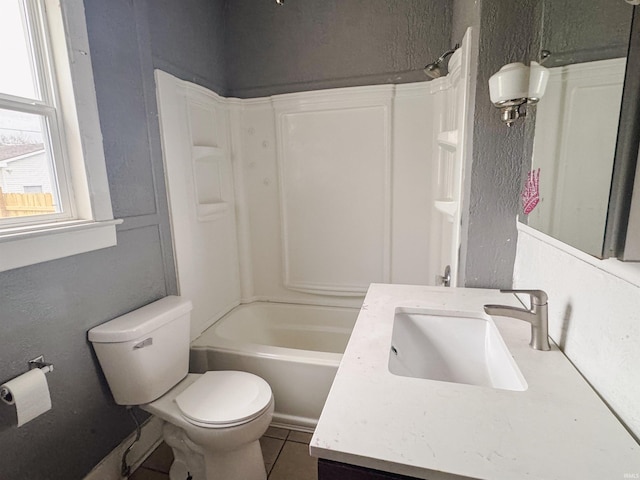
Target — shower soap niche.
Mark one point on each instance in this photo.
(447, 206)
(207, 179)
(448, 140)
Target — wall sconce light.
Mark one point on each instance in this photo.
(515, 85)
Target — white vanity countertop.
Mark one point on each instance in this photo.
(557, 429)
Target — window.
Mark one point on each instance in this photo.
(31, 144)
(54, 197)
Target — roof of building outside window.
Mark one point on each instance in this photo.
(8, 152)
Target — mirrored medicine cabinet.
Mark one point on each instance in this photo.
(587, 127)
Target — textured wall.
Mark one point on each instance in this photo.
(494, 183)
(577, 31)
(313, 44)
(48, 308)
(187, 40)
(466, 13)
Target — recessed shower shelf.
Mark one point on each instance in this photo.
(207, 176)
(210, 211)
(200, 152)
(448, 139)
(447, 206)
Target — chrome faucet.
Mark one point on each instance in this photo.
(536, 315)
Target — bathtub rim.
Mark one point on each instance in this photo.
(228, 345)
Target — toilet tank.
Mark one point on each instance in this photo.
(145, 353)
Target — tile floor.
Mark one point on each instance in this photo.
(285, 452)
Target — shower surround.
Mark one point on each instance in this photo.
(308, 198)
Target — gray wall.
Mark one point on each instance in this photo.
(489, 232)
(315, 44)
(576, 31)
(466, 13)
(187, 39)
(48, 308)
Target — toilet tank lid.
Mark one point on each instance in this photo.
(141, 321)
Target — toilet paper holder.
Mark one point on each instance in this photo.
(39, 362)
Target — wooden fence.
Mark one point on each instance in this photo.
(22, 204)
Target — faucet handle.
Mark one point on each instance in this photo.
(538, 297)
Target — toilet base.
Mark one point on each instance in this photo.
(227, 453)
(188, 459)
(244, 463)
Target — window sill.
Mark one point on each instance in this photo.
(53, 241)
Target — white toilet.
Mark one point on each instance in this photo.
(213, 421)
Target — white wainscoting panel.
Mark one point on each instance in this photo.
(413, 185)
(334, 158)
(256, 159)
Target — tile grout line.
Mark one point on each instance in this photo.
(165, 474)
(284, 441)
(298, 441)
(154, 469)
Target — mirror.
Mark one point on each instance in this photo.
(576, 122)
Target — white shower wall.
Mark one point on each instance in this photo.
(372, 152)
(200, 177)
(331, 190)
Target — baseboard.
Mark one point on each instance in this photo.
(150, 438)
(292, 426)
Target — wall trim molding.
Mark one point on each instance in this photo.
(413, 89)
(373, 99)
(346, 95)
(389, 78)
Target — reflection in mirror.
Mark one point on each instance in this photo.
(577, 119)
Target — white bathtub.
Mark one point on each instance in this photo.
(296, 348)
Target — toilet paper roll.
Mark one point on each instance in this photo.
(29, 393)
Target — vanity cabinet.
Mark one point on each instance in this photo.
(330, 470)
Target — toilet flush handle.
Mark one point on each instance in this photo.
(145, 343)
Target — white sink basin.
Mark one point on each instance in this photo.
(450, 346)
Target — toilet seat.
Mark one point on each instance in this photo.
(224, 399)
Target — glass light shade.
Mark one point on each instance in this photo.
(538, 79)
(511, 82)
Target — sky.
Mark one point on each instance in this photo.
(16, 76)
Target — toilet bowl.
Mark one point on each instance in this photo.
(223, 441)
(213, 421)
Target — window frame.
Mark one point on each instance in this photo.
(88, 223)
(48, 107)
